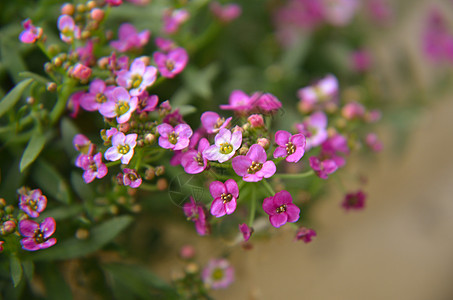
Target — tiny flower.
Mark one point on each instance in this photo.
(31, 33)
(84, 145)
(254, 166)
(281, 209)
(165, 45)
(212, 122)
(81, 72)
(129, 38)
(324, 167)
(174, 138)
(290, 146)
(93, 166)
(218, 274)
(360, 60)
(226, 13)
(305, 235)
(324, 91)
(98, 94)
(256, 121)
(334, 148)
(37, 236)
(373, 142)
(114, 2)
(173, 19)
(68, 29)
(353, 110)
(354, 201)
(1, 246)
(74, 103)
(172, 63)
(33, 202)
(187, 252)
(246, 231)
(121, 105)
(86, 54)
(138, 78)
(225, 197)
(225, 145)
(147, 103)
(193, 161)
(196, 212)
(340, 12)
(131, 178)
(314, 128)
(122, 147)
(265, 103)
(239, 102)
(174, 118)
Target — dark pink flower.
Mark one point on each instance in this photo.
(317, 96)
(68, 29)
(93, 166)
(212, 122)
(218, 274)
(177, 138)
(86, 54)
(360, 60)
(437, 38)
(37, 236)
(129, 38)
(353, 110)
(373, 142)
(265, 103)
(340, 12)
(256, 121)
(324, 167)
(173, 19)
(98, 94)
(114, 2)
(335, 147)
(80, 71)
(225, 13)
(254, 166)
(354, 201)
(292, 147)
(246, 231)
(147, 103)
(281, 209)
(131, 178)
(31, 33)
(193, 161)
(138, 78)
(174, 118)
(1, 246)
(305, 235)
(196, 212)
(120, 106)
(82, 144)
(172, 63)
(165, 45)
(74, 103)
(32, 202)
(314, 128)
(122, 147)
(225, 197)
(239, 102)
(225, 145)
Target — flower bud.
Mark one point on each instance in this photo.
(160, 170)
(2, 203)
(97, 14)
(81, 8)
(51, 86)
(243, 150)
(124, 127)
(256, 121)
(91, 4)
(136, 208)
(8, 227)
(150, 138)
(162, 184)
(81, 72)
(192, 268)
(103, 62)
(67, 9)
(187, 252)
(264, 142)
(82, 234)
(150, 173)
(9, 209)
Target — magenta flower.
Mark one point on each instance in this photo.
(165, 45)
(82, 144)
(173, 19)
(172, 63)
(373, 142)
(120, 105)
(93, 166)
(246, 231)
(114, 2)
(138, 78)
(254, 166)
(131, 178)
(314, 128)
(305, 235)
(177, 138)
(212, 122)
(196, 212)
(324, 167)
(225, 145)
(360, 60)
(319, 95)
(256, 121)
(290, 146)
(68, 29)
(353, 110)
(32, 202)
(225, 197)
(129, 38)
(354, 201)
(37, 236)
(239, 102)
(218, 274)
(193, 161)
(80, 72)
(281, 209)
(86, 54)
(31, 33)
(122, 147)
(334, 148)
(225, 13)
(265, 103)
(98, 94)
(73, 104)
(147, 103)
(340, 12)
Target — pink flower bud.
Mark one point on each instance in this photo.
(256, 121)
(187, 252)
(264, 142)
(81, 72)
(97, 14)
(67, 9)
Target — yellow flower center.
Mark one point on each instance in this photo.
(255, 167)
(290, 148)
(218, 274)
(226, 197)
(123, 149)
(122, 107)
(226, 148)
(281, 208)
(173, 138)
(100, 98)
(136, 81)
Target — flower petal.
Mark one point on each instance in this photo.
(293, 212)
(278, 219)
(27, 227)
(257, 153)
(218, 208)
(217, 188)
(232, 187)
(282, 137)
(241, 164)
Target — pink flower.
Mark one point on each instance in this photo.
(32, 202)
(324, 167)
(225, 196)
(86, 54)
(225, 145)
(120, 105)
(334, 148)
(37, 236)
(354, 201)
(93, 166)
(340, 12)
(177, 138)
(360, 60)
(139, 2)
(165, 45)
(281, 209)
(246, 231)
(196, 212)
(73, 104)
(318, 95)
(82, 144)
(193, 161)
(98, 94)
(129, 38)
(292, 147)
(173, 19)
(305, 235)
(131, 178)
(31, 33)
(373, 142)
(256, 121)
(172, 63)
(239, 102)
(147, 103)
(122, 147)
(353, 110)
(218, 274)
(81, 72)
(68, 29)
(138, 78)
(265, 102)
(437, 39)
(226, 13)
(314, 128)
(212, 122)
(114, 2)
(254, 166)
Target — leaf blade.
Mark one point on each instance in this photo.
(13, 96)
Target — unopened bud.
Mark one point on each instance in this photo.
(192, 268)
(103, 62)
(51, 86)
(81, 72)
(124, 127)
(187, 252)
(264, 142)
(9, 209)
(150, 173)
(136, 208)
(160, 170)
(91, 4)
(256, 121)
(114, 210)
(243, 150)
(8, 227)
(81, 8)
(57, 62)
(97, 14)
(150, 138)
(67, 9)
(237, 128)
(2, 203)
(82, 234)
(162, 184)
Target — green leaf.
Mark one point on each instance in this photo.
(62, 212)
(186, 109)
(34, 76)
(29, 268)
(99, 237)
(68, 132)
(13, 96)
(16, 270)
(51, 182)
(34, 147)
(56, 286)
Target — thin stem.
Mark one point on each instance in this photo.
(252, 206)
(63, 97)
(268, 187)
(148, 187)
(295, 176)
(113, 163)
(219, 165)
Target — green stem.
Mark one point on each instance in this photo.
(219, 165)
(252, 207)
(268, 187)
(62, 100)
(113, 163)
(148, 187)
(139, 154)
(295, 176)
